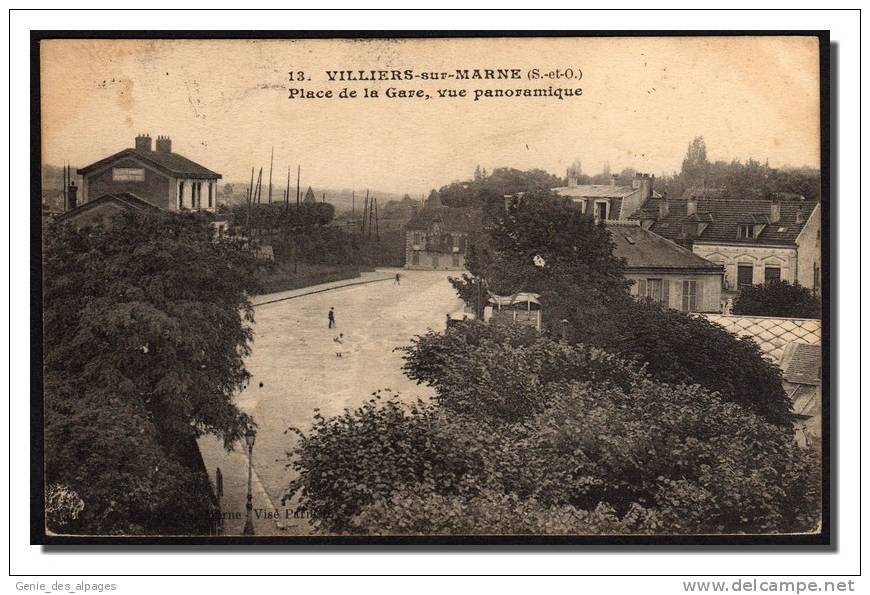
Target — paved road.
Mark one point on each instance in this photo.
(294, 357)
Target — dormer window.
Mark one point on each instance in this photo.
(745, 232)
(601, 210)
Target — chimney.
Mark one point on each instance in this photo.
(644, 182)
(691, 205)
(799, 214)
(775, 208)
(613, 179)
(664, 206)
(143, 142)
(72, 192)
(164, 144)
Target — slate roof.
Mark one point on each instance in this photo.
(595, 191)
(125, 199)
(802, 364)
(723, 215)
(451, 218)
(643, 249)
(170, 163)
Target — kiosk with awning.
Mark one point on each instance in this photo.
(519, 308)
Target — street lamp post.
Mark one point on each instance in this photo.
(250, 436)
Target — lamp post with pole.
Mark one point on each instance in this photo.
(250, 436)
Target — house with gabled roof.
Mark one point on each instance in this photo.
(665, 272)
(160, 177)
(437, 236)
(755, 240)
(105, 207)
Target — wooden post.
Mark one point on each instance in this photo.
(271, 163)
(298, 173)
(248, 197)
(377, 229)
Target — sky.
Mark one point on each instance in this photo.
(225, 105)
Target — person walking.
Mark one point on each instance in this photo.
(398, 279)
(331, 317)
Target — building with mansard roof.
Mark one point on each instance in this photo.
(755, 240)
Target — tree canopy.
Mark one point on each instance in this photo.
(778, 299)
(147, 321)
(529, 435)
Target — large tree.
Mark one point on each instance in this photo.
(147, 321)
(543, 245)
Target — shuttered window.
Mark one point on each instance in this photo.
(690, 296)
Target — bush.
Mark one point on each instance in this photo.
(778, 299)
(511, 367)
(681, 348)
(589, 444)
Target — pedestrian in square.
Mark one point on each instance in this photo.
(331, 317)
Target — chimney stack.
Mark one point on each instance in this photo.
(691, 205)
(143, 142)
(664, 206)
(799, 214)
(613, 179)
(164, 144)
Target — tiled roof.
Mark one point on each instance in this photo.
(643, 249)
(772, 334)
(126, 199)
(723, 216)
(451, 218)
(171, 163)
(595, 191)
(802, 363)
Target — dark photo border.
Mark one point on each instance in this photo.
(825, 540)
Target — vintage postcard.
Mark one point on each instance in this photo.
(432, 288)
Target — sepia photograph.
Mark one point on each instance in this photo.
(431, 288)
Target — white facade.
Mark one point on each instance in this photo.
(759, 258)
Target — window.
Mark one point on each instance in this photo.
(601, 210)
(434, 261)
(415, 257)
(455, 259)
(210, 194)
(690, 295)
(744, 275)
(745, 232)
(817, 277)
(654, 290)
(128, 174)
(197, 194)
(771, 274)
(180, 195)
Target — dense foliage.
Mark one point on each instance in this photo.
(558, 439)
(585, 299)
(738, 179)
(678, 347)
(269, 218)
(146, 325)
(540, 244)
(488, 188)
(779, 299)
